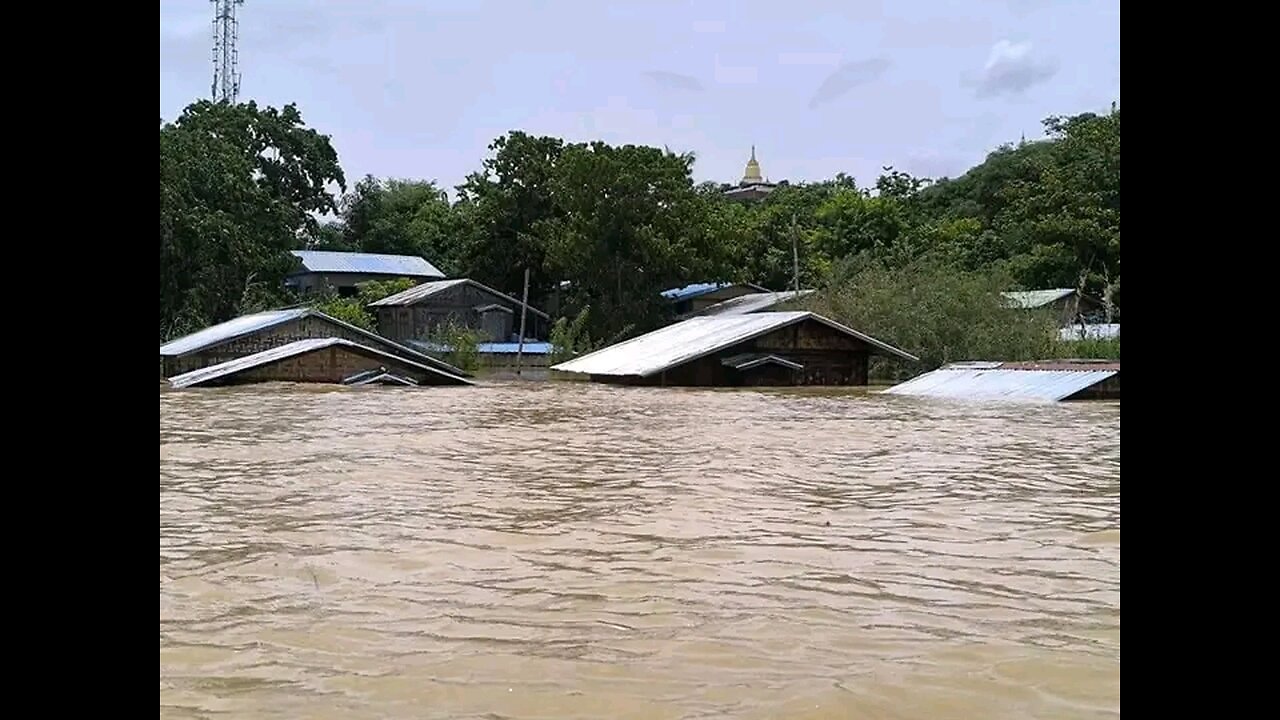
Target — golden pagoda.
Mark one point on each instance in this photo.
(753, 185)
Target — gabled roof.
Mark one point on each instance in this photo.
(418, 293)
(329, 261)
(1047, 381)
(1037, 298)
(230, 330)
(699, 289)
(698, 337)
(249, 324)
(293, 349)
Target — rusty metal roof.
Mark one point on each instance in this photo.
(300, 347)
(698, 337)
(1046, 381)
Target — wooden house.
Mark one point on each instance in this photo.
(417, 313)
(767, 348)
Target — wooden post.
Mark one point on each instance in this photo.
(524, 306)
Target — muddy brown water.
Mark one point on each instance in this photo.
(566, 550)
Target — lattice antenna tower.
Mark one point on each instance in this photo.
(226, 71)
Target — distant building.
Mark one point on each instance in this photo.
(1068, 304)
(344, 271)
(750, 303)
(319, 360)
(753, 185)
(768, 348)
(416, 313)
(252, 334)
(699, 296)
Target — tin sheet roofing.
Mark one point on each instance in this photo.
(248, 324)
(275, 354)
(697, 289)
(1005, 381)
(1037, 298)
(691, 339)
(328, 261)
(229, 330)
(419, 293)
(755, 302)
(531, 347)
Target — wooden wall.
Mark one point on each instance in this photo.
(459, 303)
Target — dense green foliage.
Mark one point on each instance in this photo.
(355, 310)
(917, 262)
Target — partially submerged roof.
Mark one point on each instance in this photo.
(698, 289)
(755, 302)
(293, 349)
(1049, 380)
(230, 330)
(379, 376)
(418, 293)
(248, 324)
(328, 261)
(747, 361)
(1037, 298)
(698, 337)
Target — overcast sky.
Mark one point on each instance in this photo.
(418, 88)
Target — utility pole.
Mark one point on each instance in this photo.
(524, 307)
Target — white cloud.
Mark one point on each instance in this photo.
(1012, 69)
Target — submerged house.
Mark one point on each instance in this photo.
(319, 360)
(1049, 381)
(344, 271)
(768, 348)
(1068, 304)
(700, 296)
(252, 334)
(751, 303)
(415, 314)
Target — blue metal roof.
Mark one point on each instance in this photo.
(327, 261)
(531, 347)
(696, 289)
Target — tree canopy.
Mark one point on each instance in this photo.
(608, 227)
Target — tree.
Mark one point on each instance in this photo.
(238, 189)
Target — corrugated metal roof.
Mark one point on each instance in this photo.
(275, 354)
(746, 361)
(229, 330)
(697, 289)
(248, 324)
(493, 348)
(378, 377)
(418, 293)
(1095, 331)
(328, 261)
(691, 339)
(755, 302)
(1037, 298)
(1006, 382)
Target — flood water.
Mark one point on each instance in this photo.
(565, 550)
